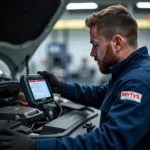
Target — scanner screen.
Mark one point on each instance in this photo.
(39, 89)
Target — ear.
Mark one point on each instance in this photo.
(117, 42)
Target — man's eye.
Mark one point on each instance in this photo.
(95, 45)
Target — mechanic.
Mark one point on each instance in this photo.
(124, 101)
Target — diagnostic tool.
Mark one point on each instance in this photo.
(36, 89)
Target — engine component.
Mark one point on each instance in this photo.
(20, 113)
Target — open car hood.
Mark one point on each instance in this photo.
(24, 25)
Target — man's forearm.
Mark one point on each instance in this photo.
(86, 95)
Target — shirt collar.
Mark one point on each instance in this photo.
(129, 61)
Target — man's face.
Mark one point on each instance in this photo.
(102, 52)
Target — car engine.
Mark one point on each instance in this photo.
(55, 119)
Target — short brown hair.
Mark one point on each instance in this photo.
(112, 20)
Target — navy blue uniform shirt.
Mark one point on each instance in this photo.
(125, 109)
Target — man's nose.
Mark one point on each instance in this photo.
(93, 52)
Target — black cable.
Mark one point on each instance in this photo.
(40, 122)
(27, 63)
(60, 107)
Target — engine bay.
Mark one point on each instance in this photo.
(56, 119)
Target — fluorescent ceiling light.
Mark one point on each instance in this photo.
(75, 6)
(143, 5)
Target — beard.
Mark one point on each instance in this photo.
(109, 60)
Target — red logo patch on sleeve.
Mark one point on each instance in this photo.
(133, 96)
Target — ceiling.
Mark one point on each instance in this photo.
(109, 2)
(104, 3)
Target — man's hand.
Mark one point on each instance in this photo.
(56, 85)
(11, 140)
